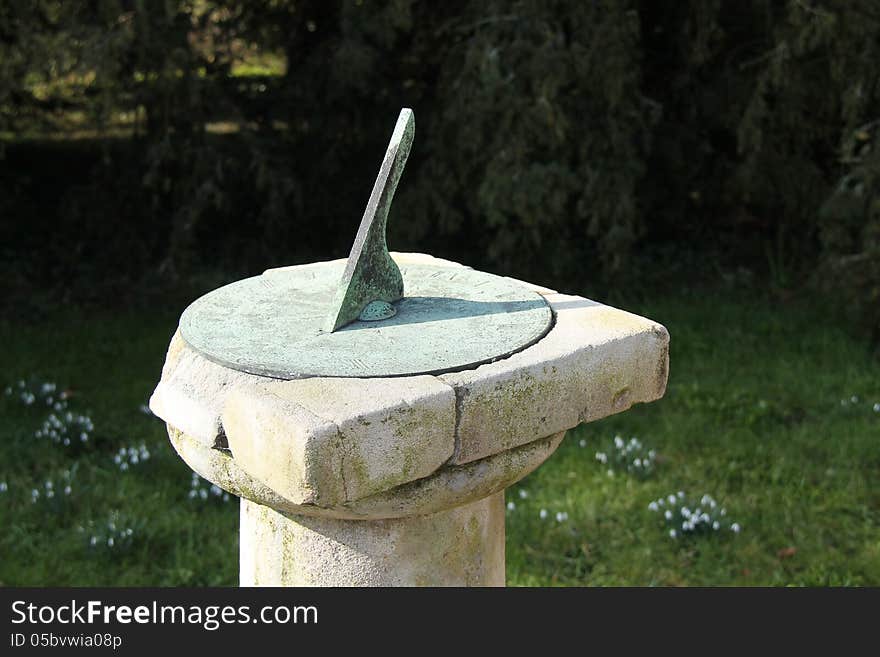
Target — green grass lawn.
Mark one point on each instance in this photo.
(769, 409)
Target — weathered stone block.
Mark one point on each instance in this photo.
(193, 390)
(391, 431)
(596, 361)
(290, 449)
(332, 440)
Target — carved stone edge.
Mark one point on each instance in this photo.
(448, 487)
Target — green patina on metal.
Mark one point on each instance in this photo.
(452, 318)
(371, 275)
(350, 319)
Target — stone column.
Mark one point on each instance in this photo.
(399, 481)
(461, 546)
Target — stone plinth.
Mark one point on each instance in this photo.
(399, 481)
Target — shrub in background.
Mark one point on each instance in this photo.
(569, 141)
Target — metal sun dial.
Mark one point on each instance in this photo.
(367, 317)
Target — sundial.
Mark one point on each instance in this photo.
(368, 316)
(360, 472)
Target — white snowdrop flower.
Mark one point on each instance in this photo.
(542, 514)
(50, 493)
(192, 494)
(561, 516)
(877, 407)
(610, 473)
(203, 494)
(843, 402)
(67, 489)
(49, 483)
(653, 506)
(511, 506)
(716, 525)
(672, 533)
(3, 487)
(854, 399)
(686, 512)
(123, 466)
(93, 541)
(651, 454)
(704, 517)
(145, 409)
(35, 494)
(661, 501)
(582, 443)
(638, 463)
(523, 494)
(723, 512)
(668, 514)
(680, 494)
(110, 542)
(735, 528)
(618, 442)
(58, 406)
(129, 531)
(671, 499)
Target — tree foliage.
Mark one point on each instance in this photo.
(559, 140)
